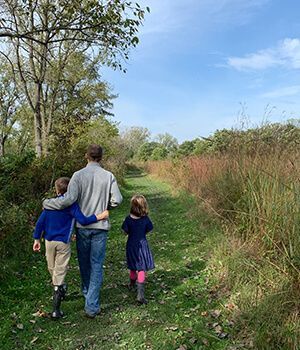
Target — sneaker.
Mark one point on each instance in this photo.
(92, 315)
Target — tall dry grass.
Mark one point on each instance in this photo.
(257, 198)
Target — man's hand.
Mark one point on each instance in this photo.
(104, 215)
(36, 245)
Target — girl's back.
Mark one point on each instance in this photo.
(137, 228)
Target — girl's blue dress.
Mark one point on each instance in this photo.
(138, 253)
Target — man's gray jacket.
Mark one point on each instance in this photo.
(94, 188)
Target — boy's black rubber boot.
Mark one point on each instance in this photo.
(57, 297)
(63, 290)
(141, 293)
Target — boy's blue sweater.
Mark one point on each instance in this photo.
(58, 225)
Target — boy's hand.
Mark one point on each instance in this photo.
(104, 215)
(73, 239)
(36, 245)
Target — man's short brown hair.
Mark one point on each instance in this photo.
(61, 184)
(94, 153)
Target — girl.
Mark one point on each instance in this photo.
(139, 256)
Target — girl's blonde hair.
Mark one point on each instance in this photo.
(139, 206)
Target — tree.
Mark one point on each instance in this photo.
(145, 150)
(168, 141)
(187, 148)
(9, 105)
(40, 35)
(133, 138)
(82, 98)
(160, 152)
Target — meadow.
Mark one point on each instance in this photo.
(255, 197)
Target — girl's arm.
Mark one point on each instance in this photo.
(125, 227)
(149, 226)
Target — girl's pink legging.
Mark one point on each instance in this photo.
(137, 275)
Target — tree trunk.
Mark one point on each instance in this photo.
(37, 122)
(2, 142)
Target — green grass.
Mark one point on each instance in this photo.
(177, 289)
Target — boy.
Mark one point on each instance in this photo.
(57, 226)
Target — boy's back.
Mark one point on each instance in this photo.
(58, 225)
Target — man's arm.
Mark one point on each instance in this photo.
(115, 194)
(67, 199)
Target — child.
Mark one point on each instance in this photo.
(57, 226)
(139, 257)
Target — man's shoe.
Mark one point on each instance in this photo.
(92, 315)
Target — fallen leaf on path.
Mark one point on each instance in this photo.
(171, 328)
(34, 340)
(182, 347)
(218, 329)
(20, 326)
(40, 313)
(215, 313)
(205, 341)
(230, 306)
(193, 340)
(223, 335)
(40, 330)
(230, 323)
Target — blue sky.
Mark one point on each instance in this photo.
(203, 65)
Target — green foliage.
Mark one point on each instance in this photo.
(187, 148)
(145, 150)
(159, 152)
(263, 139)
(48, 45)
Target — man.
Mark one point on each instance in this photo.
(96, 190)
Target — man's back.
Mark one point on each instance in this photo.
(95, 189)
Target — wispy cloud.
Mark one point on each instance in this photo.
(283, 92)
(168, 15)
(285, 54)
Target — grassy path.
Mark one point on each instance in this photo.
(176, 289)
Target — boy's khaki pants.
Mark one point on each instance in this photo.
(58, 256)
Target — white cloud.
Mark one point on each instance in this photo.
(285, 54)
(169, 15)
(283, 92)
